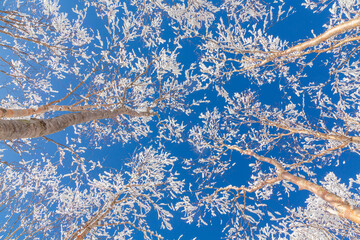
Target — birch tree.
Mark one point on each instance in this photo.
(39, 202)
(287, 144)
(107, 75)
(111, 71)
(113, 80)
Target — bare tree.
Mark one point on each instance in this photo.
(114, 80)
(57, 73)
(107, 81)
(38, 202)
(119, 79)
(314, 124)
(27, 197)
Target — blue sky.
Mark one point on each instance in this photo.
(295, 28)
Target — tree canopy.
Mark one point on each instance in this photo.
(138, 119)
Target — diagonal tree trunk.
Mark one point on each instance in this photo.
(16, 129)
(342, 208)
(332, 32)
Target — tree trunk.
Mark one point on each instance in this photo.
(32, 128)
(343, 208)
(25, 112)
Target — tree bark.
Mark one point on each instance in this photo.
(343, 208)
(25, 112)
(33, 128)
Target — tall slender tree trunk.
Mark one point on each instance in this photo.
(32, 128)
